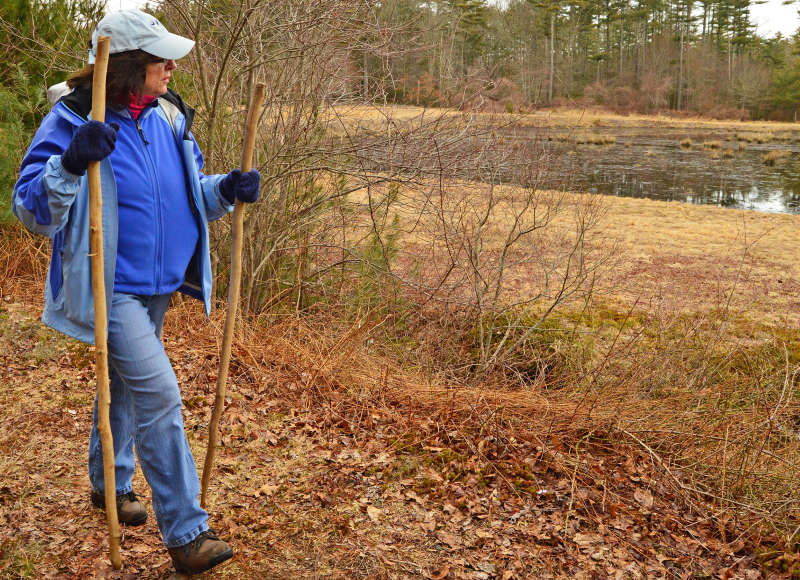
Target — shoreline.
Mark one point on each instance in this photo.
(698, 257)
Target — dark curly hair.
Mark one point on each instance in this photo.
(124, 77)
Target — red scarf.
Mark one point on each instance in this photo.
(137, 104)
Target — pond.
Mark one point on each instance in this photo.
(723, 172)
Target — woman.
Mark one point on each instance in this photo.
(155, 207)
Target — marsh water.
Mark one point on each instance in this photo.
(731, 174)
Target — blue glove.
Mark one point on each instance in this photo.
(241, 186)
(92, 141)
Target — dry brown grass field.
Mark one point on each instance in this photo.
(564, 118)
(666, 446)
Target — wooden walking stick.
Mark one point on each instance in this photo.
(237, 228)
(100, 313)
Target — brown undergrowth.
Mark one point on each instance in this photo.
(321, 478)
(338, 461)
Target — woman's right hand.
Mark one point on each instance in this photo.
(91, 141)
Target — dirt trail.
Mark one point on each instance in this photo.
(304, 491)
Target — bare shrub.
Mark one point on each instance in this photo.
(492, 96)
(366, 208)
(23, 260)
(302, 51)
(490, 263)
(650, 97)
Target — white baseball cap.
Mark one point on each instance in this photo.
(134, 29)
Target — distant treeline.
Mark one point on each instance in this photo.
(688, 56)
(701, 57)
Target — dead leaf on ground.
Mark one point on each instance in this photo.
(450, 539)
(266, 490)
(644, 497)
(374, 513)
(587, 539)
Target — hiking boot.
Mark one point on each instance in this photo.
(202, 553)
(130, 511)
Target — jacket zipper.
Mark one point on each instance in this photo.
(141, 133)
(156, 193)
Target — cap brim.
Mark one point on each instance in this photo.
(171, 46)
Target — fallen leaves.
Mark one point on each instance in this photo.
(448, 538)
(266, 490)
(301, 489)
(644, 497)
(587, 539)
(374, 513)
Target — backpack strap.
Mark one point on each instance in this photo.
(174, 99)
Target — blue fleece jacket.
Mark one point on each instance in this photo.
(158, 232)
(156, 204)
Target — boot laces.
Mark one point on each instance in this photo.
(194, 545)
(130, 496)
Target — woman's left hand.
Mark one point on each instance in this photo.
(241, 186)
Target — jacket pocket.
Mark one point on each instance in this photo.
(77, 287)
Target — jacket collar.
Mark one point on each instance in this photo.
(79, 101)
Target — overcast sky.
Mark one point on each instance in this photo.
(114, 5)
(772, 17)
(775, 16)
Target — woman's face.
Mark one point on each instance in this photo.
(157, 77)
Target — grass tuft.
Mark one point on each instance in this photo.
(753, 137)
(594, 139)
(771, 158)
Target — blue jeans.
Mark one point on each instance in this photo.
(146, 412)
